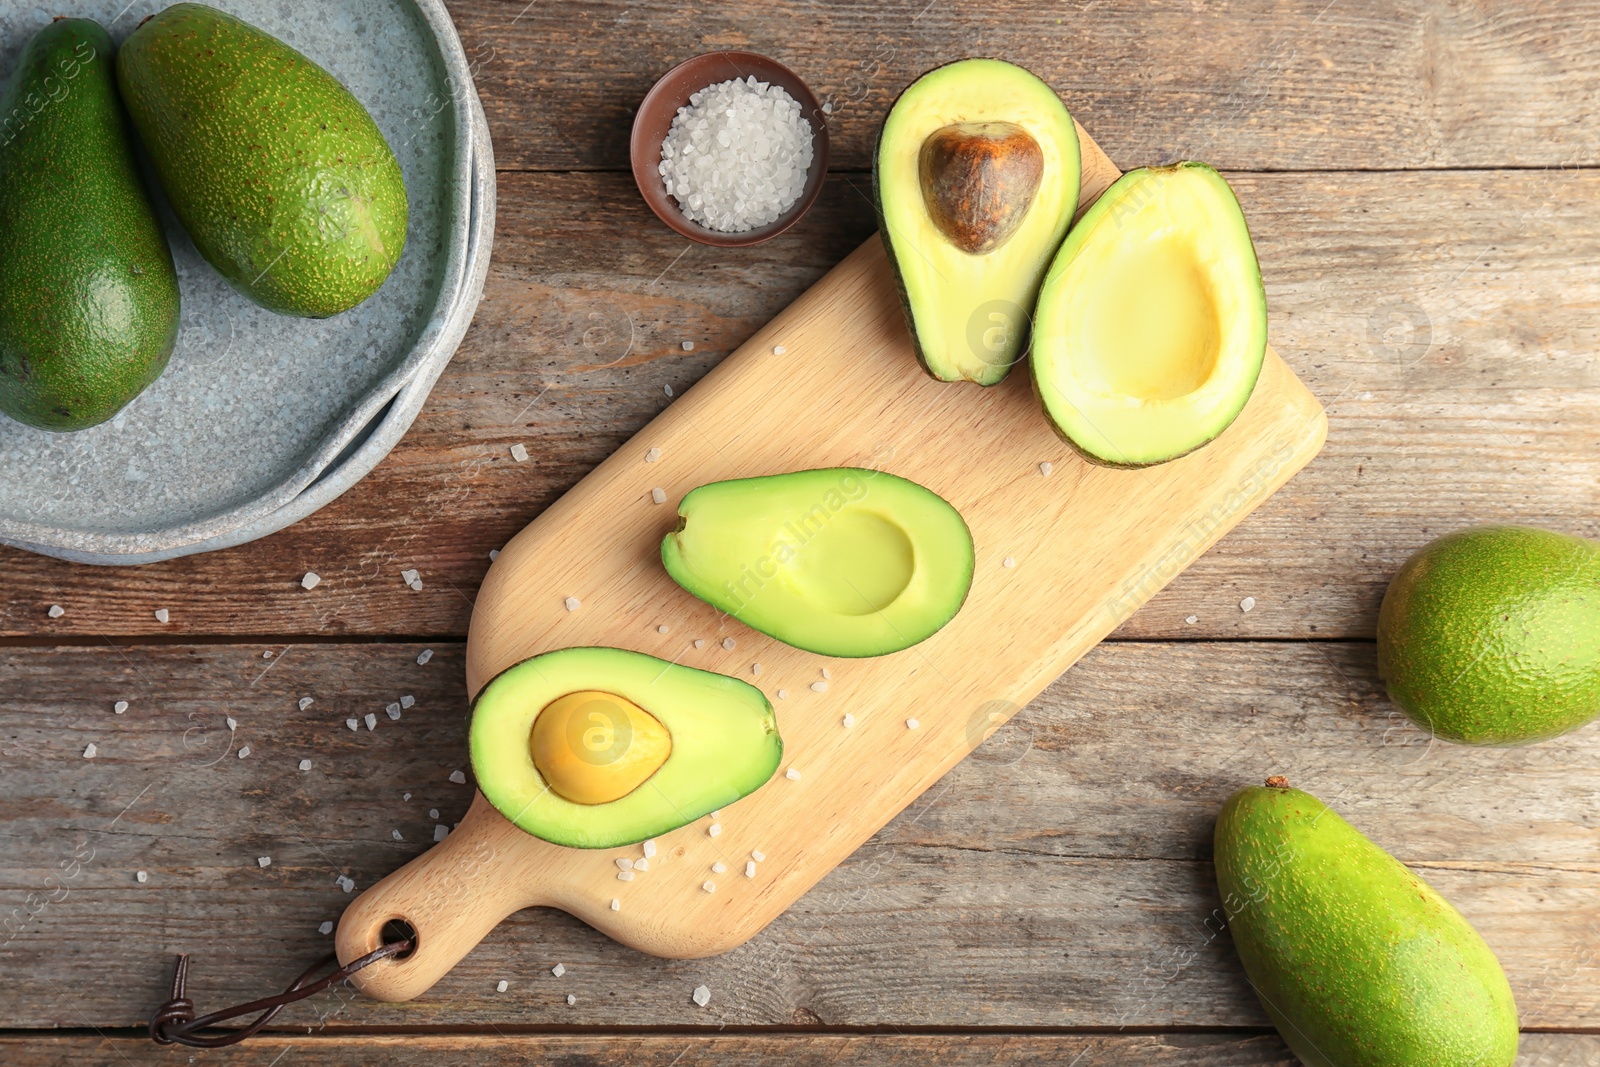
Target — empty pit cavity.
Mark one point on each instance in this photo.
(857, 564)
(1152, 331)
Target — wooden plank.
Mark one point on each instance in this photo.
(739, 1050)
(1301, 85)
(1449, 324)
(733, 1050)
(1059, 876)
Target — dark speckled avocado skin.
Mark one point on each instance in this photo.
(1491, 635)
(1358, 962)
(281, 177)
(88, 294)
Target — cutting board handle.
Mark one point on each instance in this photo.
(452, 896)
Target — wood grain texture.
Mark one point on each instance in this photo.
(1060, 876)
(737, 1050)
(1061, 561)
(1298, 85)
(1448, 321)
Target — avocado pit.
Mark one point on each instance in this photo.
(978, 180)
(594, 747)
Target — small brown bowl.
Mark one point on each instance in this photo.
(660, 106)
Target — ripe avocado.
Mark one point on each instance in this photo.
(600, 747)
(280, 176)
(1491, 635)
(1356, 960)
(1152, 323)
(88, 293)
(975, 179)
(840, 561)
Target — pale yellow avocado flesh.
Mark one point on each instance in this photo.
(969, 313)
(634, 746)
(1152, 323)
(840, 561)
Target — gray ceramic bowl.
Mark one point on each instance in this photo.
(261, 419)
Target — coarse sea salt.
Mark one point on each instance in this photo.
(737, 156)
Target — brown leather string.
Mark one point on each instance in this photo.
(174, 1023)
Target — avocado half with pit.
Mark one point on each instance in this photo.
(975, 179)
(1152, 323)
(841, 561)
(601, 747)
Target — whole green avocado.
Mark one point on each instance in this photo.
(1357, 961)
(281, 177)
(1491, 635)
(88, 293)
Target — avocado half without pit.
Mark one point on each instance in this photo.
(976, 179)
(841, 561)
(601, 747)
(1152, 322)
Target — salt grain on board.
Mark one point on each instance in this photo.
(396, 835)
(519, 453)
(687, 346)
(641, 865)
(714, 829)
(433, 813)
(245, 751)
(393, 711)
(759, 857)
(571, 1000)
(409, 575)
(728, 643)
(779, 350)
(667, 389)
(624, 876)
(750, 869)
(848, 721)
(702, 995)
(1046, 468)
(718, 867)
(141, 877)
(353, 724)
(90, 751)
(305, 765)
(424, 657)
(326, 928)
(573, 603)
(501, 986)
(232, 725)
(56, 611)
(652, 455)
(650, 848)
(616, 905)
(709, 886)
(1008, 562)
(263, 861)
(1247, 603)
(119, 707)
(661, 629)
(1192, 619)
(345, 883)
(458, 778)
(440, 832)
(371, 721)
(819, 687)
(162, 615)
(624, 863)
(311, 580)
(755, 668)
(793, 774)
(407, 701)
(699, 642)
(658, 495)
(306, 702)
(783, 694)
(912, 724)
(558, 970)
(494, 554)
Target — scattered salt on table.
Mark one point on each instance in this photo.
(310, 581)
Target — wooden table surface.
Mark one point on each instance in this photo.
(1421, 180)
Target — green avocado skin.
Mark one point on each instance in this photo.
(88, 293)
(1358, 962)
(1491, 635)
(280, 176)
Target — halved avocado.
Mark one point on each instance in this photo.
(976, 179)
(600, 747)
(840, 561)
(1152, 323)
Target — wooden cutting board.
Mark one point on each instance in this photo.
(1061, 560)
